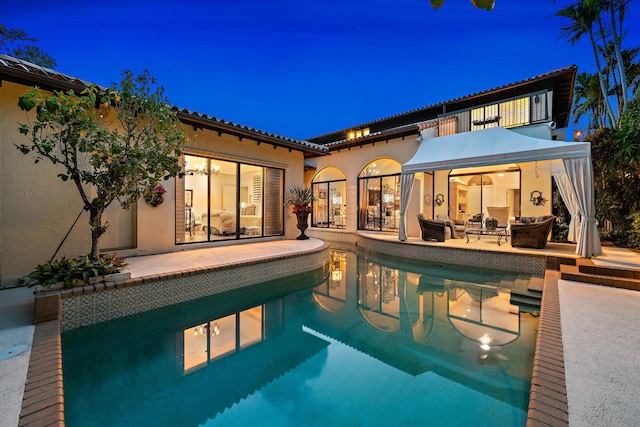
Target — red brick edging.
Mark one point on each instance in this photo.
(43, 401)
(548, 398)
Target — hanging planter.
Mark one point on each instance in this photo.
(153, 195)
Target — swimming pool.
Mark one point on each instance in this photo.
(381, 341)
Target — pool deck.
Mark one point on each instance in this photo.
(599, 331)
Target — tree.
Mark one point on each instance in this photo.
(602, 21)
(106, 161)
(588, 100)
(480, 4)
(14, 41)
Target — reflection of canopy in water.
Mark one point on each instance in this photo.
(481, 293)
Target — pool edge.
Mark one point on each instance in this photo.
(548, 395)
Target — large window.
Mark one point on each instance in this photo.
(379, 196)
(479, 191)
(215, 193)
(330, 207)
(512, 113)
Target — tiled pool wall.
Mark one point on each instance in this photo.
(481, 258)
(93, 304)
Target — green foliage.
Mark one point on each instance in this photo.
(634, 230)
(480, 4)
(73, 272)
(14, 42)
(300, 198)
(616, 169)
(107, 156)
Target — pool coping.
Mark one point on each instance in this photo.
(43, 402)
(548, 396)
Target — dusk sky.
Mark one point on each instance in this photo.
(305, 68)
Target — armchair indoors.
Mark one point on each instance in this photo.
(532, 235)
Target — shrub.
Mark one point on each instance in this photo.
(634, 230)
(73, 272)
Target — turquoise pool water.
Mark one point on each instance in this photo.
(382, 341)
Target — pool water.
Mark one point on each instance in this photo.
(382, 341)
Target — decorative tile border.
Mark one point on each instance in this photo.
(469, 257)
(90, 304)
(97, 303)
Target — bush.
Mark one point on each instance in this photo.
(73, 272)
(634, 230)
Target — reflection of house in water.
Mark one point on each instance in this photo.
(454, 323)
(189, 375)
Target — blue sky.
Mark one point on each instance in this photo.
(304, 68)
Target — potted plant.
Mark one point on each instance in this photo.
(153, 195)
(300, 198)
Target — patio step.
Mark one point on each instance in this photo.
(587, 272)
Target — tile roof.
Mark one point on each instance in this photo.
(27, 73)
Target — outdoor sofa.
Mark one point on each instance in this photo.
(532, 235)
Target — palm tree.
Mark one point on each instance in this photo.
(588, 100)
(582, 17)
(616, 10)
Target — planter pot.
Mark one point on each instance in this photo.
(123, 275)
(303, 224)
(55, 287)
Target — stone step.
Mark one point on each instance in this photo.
(589, 267)
(575, 273)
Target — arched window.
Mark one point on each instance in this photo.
(330, 190)
(379, 196)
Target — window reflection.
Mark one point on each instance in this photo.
(332, 293)
(378, 299)
(221, 337)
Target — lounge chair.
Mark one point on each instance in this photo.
(432, 229)
(532, 235)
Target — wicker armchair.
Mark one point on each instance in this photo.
(431, 229)
(457, 227)
(533, 235)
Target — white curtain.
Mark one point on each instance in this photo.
(580, 173)
(568, 196)
(406, 185)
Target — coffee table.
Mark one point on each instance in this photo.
(499, 232)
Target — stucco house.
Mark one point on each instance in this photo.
(236, 176)
(233, 191)
(488, 154)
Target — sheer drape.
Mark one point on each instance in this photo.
(580, 174)
(566, 192)
(406, 185)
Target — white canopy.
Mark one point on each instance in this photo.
(496, 146)
(488, 147)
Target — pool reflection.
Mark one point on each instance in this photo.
(203, 357)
